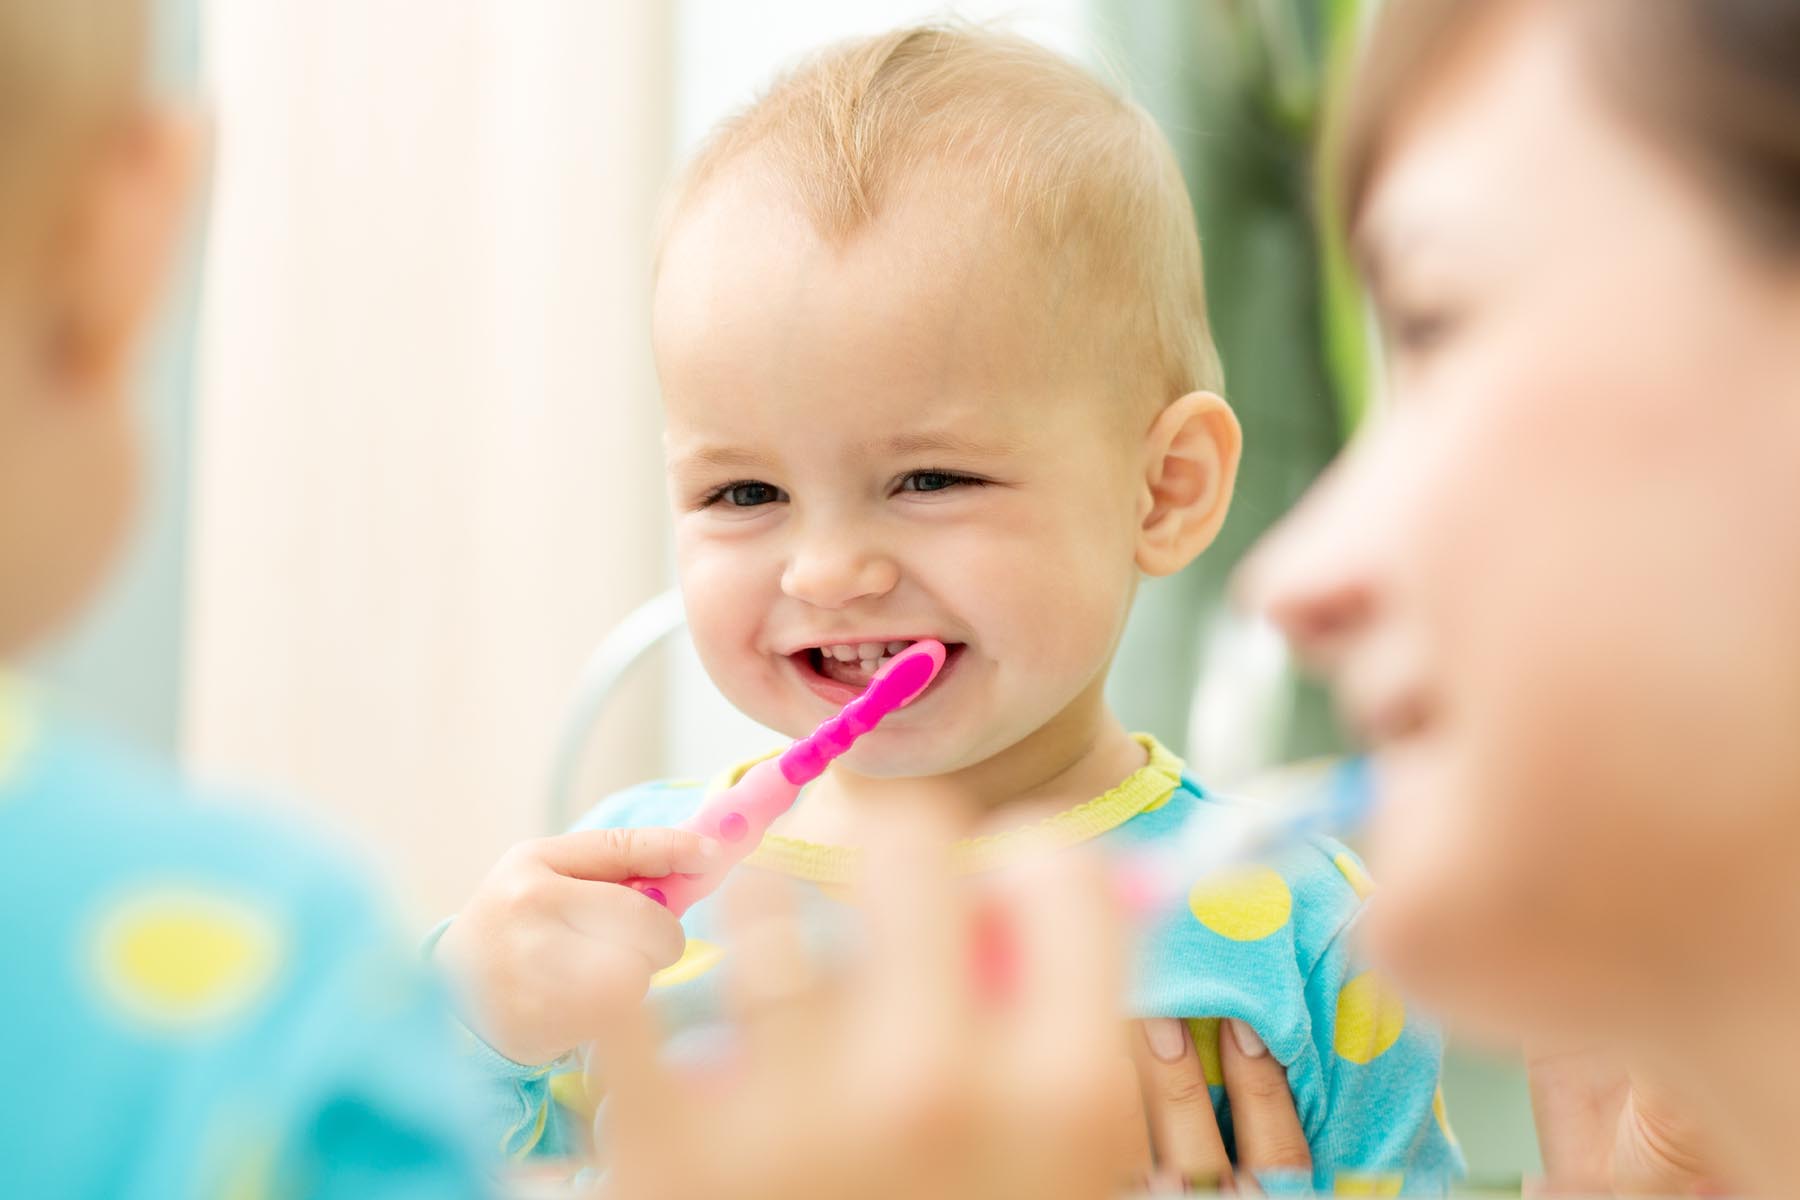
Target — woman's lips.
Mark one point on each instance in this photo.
(1392, 720)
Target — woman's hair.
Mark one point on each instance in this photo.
(68, 68)
(1717, 81)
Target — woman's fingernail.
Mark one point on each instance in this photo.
(1166, 1037)
(1247, 1041)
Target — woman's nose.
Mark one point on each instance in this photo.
(831, 569)
(1312, 577)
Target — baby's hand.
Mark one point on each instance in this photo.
(550, 942)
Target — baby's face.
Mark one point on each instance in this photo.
(883, 441)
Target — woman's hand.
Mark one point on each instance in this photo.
(1179, 1144)
(1602, 1129)
(550, 940)
(913, 1075)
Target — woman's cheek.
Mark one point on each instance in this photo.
(1435, 870)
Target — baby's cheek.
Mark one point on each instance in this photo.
(724, 608)
(1057, 615)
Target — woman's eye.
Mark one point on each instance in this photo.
(1419, 331)
(937, 481)
(747, 493)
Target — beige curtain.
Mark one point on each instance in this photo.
(426, 470)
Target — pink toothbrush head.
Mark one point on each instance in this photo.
(893, 687)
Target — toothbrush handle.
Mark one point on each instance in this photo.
(736, 818)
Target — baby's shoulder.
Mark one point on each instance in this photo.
(1306, 893)
(659, 802)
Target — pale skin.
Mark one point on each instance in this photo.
(1555, 586)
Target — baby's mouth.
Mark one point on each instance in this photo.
(854, 664)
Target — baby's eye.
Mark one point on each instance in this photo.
(937, 481)
(745, 493)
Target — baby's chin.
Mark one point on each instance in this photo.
(887, 754)
(905, 746)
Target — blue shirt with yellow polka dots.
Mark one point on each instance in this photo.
(199, 1002)
(1268, 945)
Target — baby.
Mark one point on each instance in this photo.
(931, 329)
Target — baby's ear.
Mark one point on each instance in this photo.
(1190, 467)
(123, 228)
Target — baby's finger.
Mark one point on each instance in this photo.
(1182, 1124)
(1264, 1119)
(609, 913)
(611, 855)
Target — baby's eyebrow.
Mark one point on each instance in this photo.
(718, 456)
(943, 443)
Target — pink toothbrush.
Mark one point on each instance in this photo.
(740, 814)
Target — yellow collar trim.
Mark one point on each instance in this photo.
(18, 728)
(817, 862)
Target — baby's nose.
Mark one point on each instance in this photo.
(832, 572)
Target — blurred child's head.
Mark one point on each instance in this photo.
(90, 183)
(931, 330)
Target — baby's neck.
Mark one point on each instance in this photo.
(1070, 760)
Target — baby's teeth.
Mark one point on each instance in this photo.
(895, 647)
(869, 651)
(843, 653)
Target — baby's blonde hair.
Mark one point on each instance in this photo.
(1065, 158)
(67, 69)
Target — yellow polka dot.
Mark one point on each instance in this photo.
(699, 958)
(1205, 1032)
(1370, 1017)
(1242, 905)
(1368, 1183)
(1360, 883)
(185, 957)
(1443, 1117)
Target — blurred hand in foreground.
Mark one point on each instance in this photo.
(911, 1074)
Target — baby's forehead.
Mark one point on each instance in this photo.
(939, 280)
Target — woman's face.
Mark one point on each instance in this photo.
(1557, 582)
